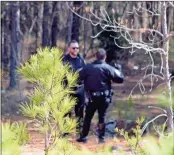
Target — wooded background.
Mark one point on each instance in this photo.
(25, 26)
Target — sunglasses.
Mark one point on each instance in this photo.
(75, 48)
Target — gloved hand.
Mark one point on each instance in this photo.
(117, 66)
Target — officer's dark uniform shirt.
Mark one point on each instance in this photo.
(76, 63)
(98, 75)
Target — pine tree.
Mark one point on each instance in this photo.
(50, 100)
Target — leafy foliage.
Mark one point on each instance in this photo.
(62, 146)
(134, 141)
(51, 100)
(148, 145)
(13, 136)
(164, 100)
(163, 146)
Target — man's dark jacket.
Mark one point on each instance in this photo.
(76, 64)
(98, 75)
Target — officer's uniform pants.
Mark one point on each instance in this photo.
(99, 104)
(79, 108)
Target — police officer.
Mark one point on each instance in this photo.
(76, 62)
(97, 82)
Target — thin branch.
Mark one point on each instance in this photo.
(77, 13)
(145, 126)
(158, 108)
(108, 24)
(171, 4)
(97, 34)
(171, 35)
(32, 25)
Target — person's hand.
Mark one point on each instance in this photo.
(117, 66)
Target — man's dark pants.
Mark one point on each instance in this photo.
(97, 104)
(79, 109)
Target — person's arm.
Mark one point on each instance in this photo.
(82, 73)
(116, 75)
(82, 64)
(64, 59)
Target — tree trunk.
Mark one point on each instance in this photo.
(4, 41)
(5, 33)
(128, 7)
(69, 23)
(91, 46)
(137, 24)
(46, 25)
(54, 28)
(170, 22)
(85, 36)
(38, 30)
(15, 44)
(145, 21)
(76, 20)
(166, 67)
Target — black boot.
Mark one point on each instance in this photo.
(101, 140)
(101, 134)
(82, 140)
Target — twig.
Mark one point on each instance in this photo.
(145, 126)
(158, 108)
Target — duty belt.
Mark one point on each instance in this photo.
(101, 93)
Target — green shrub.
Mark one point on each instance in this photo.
(50, 101)
(13, 136)
(148, 145)
(134, 141)
(164, 146)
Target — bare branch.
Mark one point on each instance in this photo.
(158, 108)
(171, 4)
(32, 25)
(152, 120)
(171, 35)
(141, 9)
(77, 13)
(141, 85)
(97, 34)
(118, 26)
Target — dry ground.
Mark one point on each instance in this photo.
(10, 100)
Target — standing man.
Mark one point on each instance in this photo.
(76, 62)
(97, 82)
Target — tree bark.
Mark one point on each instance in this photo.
(54, 28)
(166, 67)
(38, 30)
(46, 25)
(170, 22)
(76, 20)
(15, 44)
(69, 23)
(145, 16)
(5, 33)
(84, 36)
(137, 25)
(4, 41)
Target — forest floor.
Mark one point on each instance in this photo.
(117, 111)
